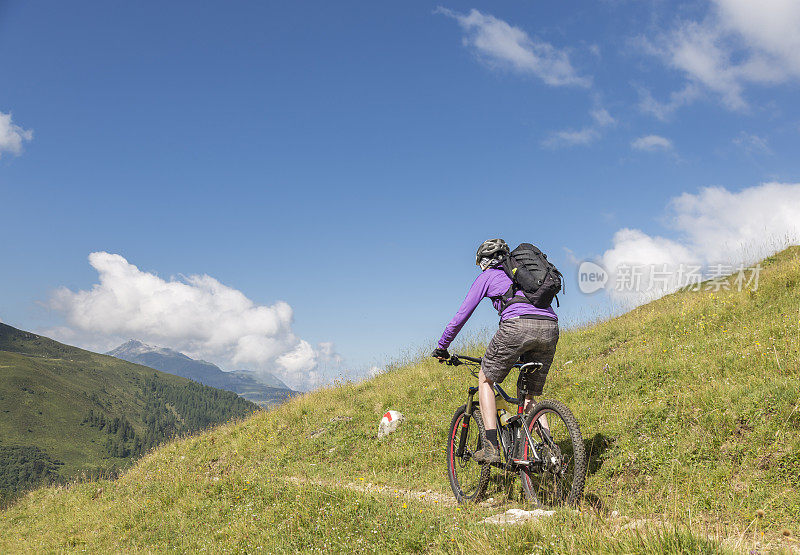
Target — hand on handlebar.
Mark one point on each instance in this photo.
(441, 354)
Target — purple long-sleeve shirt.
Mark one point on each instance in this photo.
(490, 283)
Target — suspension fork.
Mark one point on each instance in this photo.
(462, 439)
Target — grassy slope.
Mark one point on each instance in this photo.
(48, 412)
(689, 406)
(47, 388)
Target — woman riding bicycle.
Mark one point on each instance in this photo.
(525, 332)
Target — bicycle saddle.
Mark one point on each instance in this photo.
(530, 367)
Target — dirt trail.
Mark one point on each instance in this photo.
(428, 496)
(511, 516)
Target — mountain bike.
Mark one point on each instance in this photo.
(543, 444)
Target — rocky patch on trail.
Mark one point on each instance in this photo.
(517, 516)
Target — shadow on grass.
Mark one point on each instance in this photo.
(595, 456)
(505, 488)
(506, 485)
(595, 451)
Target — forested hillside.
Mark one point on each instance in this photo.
(65, 411)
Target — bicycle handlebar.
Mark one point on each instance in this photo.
(455, 360)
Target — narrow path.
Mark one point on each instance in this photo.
(511, 516)
(430, 497)
(427, 496)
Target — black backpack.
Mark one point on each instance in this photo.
(533, 274)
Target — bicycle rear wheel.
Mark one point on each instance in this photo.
(559, 476)
(468, 479)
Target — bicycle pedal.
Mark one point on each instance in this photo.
(521, 462)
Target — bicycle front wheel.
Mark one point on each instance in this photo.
(468, 479)
(556, 472)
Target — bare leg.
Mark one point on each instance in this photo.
(487, 402)
(529, 400)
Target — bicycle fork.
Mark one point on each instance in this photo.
(462, 439)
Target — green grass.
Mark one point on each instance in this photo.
(690, 407)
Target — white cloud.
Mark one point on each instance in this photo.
(574, 260)
(677, 99)
(196, 315)
(503, 45)
(602, 118)
(652, 143)
(715, 226)
(568, 137)
(89, 340)
(740, 42)
(752, 143)
(583, 136)
(771, 28)
(739, 226)
(12, 135)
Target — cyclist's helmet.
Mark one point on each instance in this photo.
(492, 249)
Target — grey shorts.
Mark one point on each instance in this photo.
(527, 338)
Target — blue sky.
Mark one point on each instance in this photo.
(347, 159)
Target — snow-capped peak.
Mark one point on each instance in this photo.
(135, 347)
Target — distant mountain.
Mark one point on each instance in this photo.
(262, 388)
(66, 412)
(265, 378)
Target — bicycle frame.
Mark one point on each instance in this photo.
(512, 424)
